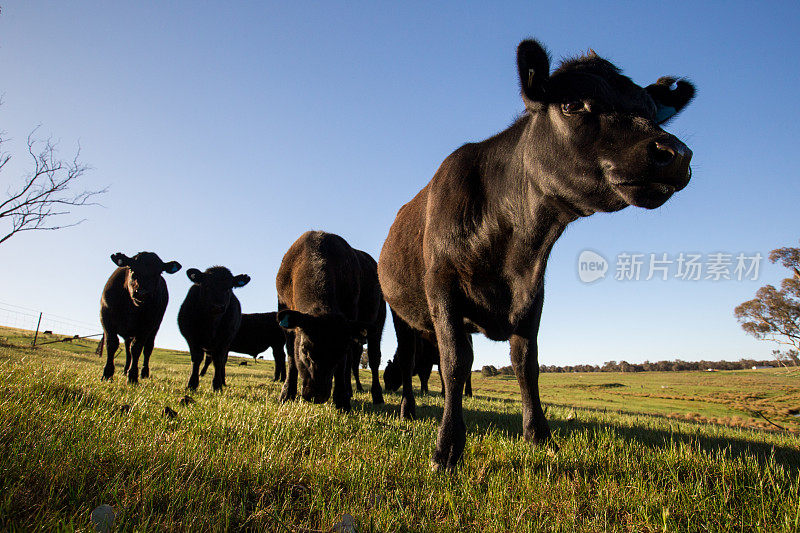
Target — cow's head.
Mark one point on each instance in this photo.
(143, 274)
(594, 140)
(392, 377)
(216, 285)
(322, 343)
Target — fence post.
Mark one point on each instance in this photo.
(35, 335)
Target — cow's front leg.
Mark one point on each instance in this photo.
(135, 351)
(220, 359)
(455, 353)
(342, 388)
(289, 391)
(146, 353)
(197, 358)
(525, 359)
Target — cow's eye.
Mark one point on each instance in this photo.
(573, 108)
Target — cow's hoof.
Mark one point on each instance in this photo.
(133, 380)
(145, 373)
(193, 383)
(443, 468)
(108, 377)
(343, 406)
(377, 396)
(408, 409)
(359, 388)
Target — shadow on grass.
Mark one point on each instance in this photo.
(480, 420)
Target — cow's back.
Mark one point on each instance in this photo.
(257, 332)
(401, 268)
(320, 274)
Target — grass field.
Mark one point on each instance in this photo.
(634, 455)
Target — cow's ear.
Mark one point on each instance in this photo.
(171, 267)
(194, 275)
(290, 319)
(120, 259)
(534, 71)
(670, 96)
(240, 281)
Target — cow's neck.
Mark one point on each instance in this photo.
(536, 219)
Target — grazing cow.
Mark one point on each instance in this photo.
(328, 300)
(132, 306)
(468, 252)
(209, 319)
(257, 332)
(426, 355)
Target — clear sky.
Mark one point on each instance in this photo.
(225, 130)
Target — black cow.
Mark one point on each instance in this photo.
(257, 332)
(132, 306)
(209, 319)
(328, 300)
(426, 355)
(468, 252)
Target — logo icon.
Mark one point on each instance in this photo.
(591, 266)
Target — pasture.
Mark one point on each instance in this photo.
(633, 455)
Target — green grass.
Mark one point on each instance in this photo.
(240, 460)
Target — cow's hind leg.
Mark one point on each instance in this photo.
(353, 362)
(280, 362)
(207, 364)
(424, 374)
(525, 359)
(374, 354)
(127, 355)
(112, 344)
(289, 391)
(404, 359)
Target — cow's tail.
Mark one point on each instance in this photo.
(99, 350)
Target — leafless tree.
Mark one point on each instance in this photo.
(43, 196)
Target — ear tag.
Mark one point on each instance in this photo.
(284, 323)
(531, 72)
(664, 113)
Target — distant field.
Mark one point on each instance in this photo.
(633, 454)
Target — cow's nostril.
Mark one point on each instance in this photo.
(661, 154)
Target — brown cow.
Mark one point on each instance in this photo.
(328, 300)
(468, 252)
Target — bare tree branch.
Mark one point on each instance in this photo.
(44, 196)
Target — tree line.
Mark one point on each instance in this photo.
(677, 365)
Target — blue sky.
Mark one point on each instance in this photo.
(226, 130)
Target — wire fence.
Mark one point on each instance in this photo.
(16, 316)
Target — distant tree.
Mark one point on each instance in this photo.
(43, 195)
(489, 371)
(774, 314)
